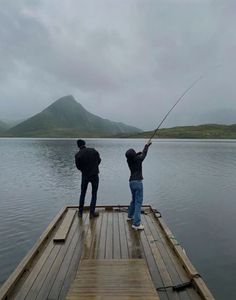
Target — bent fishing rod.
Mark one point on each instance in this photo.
(179, 99)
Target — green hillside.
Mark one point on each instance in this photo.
(67, 118)
(207, 131)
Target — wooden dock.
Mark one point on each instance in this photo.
(105, 259)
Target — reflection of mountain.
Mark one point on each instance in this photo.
(68, 118)
(56, 160)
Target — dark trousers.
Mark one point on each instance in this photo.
(94, 179)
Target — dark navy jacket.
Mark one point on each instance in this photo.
(87, 161)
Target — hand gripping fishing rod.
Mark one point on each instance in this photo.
(179, 99)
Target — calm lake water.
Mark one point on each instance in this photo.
(191, 182)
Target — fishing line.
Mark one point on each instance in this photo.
(179, 99)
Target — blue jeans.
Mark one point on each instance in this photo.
(134, 210)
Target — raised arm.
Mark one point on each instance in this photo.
(143, 154)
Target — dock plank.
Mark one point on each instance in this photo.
(65, 226)
(154, 271)
(58, 262)
(123, 238)
(109, 237)
(29, 281)
(116, 237)
(134, 246)
(165, 275)
(112, 278)
(16, 276)
(46, 276)
(96, 239)
(168, 257)
(88, 238)
(70, 262)
(101, 251)
(173, 264)
(35, 288)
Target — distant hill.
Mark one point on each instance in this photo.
(67, 118)
(6, 124)
(207, 131)
(3, 126)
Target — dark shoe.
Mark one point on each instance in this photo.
(94, 215)
(80, 214)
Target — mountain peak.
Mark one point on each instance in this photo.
(66, 104)
(67, 117)
(65, 100)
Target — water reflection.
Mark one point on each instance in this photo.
(192, 183)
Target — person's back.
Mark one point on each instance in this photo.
(87, 161)
(134, 161)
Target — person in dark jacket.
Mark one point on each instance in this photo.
(87, 161)
(135, 161)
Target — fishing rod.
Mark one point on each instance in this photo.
(179, 99)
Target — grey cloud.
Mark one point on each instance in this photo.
(124, 60)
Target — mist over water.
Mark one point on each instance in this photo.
(191, 182)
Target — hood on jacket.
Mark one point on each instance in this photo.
(130, 153)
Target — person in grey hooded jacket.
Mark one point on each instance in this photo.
(135, 161)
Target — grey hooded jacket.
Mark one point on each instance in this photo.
(134, 161)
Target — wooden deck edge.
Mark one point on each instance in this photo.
(22, 267)
(65, 227)
(108, 206)
(202, 288)
(197, 281)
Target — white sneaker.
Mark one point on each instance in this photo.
(140, 227)
(129, 219)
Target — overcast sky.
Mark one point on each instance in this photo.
(126, 60)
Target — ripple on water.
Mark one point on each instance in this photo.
(192, 183)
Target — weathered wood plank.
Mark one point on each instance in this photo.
(190, 269)
(134, 246)
(109, 237)
(156, 277)
(170, 261)
(24, 289)
(44, 281)
(202, 289)
(114, 298)
(58, 262)
(116, 236)
(123, 238)
(174, 262)
(166, 278)
(70, 263)
(65, 226)
(36, 286)
(101, 251)
(113, 278)
(96, 239)
(178, 249)
(88, 238)
(25, 263)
